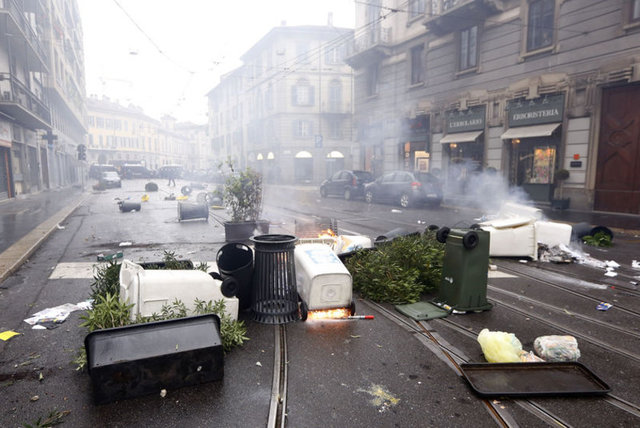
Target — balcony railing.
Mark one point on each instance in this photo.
(17, 14)
(13, 92)
(440, 7)
(378, 36)
(445, 16)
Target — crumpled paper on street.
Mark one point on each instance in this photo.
(51, 316)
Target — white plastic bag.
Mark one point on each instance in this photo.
(557, 348)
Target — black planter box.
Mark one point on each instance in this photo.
(237, 231)
(560, 204)
(143, 359)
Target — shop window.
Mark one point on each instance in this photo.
(540, 24)
(536, 166)
(468, 48)
(417, 67)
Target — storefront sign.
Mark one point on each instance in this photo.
(546, 109)
(472, 119)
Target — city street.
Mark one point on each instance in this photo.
(389, 371)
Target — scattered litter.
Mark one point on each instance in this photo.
(530, 357)
(396, 211)
(125, 244)
(145, 198)
(6, 335)
(500, 347)
(611, 264)
(163, 393)
(493, 267)
(259, 364)
(38, 327)
(633, 283)
(50, 317)
(610, 274)
(171, 197)
(60, 227)
(182, 198)
(522, 261)
(554, 254)
(635, 264)
(603, 306)
(557, 349)
(35, 398)
(102, 258)
(40, 377)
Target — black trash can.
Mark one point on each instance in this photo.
(235, 260)
(191, 211)
(126, 206)
(274, 296)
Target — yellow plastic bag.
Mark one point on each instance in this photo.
(500, 347)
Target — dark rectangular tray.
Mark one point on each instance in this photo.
(532, 379)
(142, 359)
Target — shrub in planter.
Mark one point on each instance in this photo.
(400, 271)
(242, 194)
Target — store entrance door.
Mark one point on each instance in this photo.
(617, 186)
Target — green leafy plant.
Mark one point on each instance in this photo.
(232, 332)
(107, 312)
(54, 418)
(599, 239)
(399, 271)
(243, 193)
(106, 280)
(80, 361)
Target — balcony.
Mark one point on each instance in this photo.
(336, 108)
(20, 33)
(17, 101)
(446, 16)
(369, 48)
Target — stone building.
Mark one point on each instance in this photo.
(42, 86)
(287, 110)
(522, 87)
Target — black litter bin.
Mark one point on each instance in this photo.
(235, 260)
(275, 297)
(126, 206)
(190, 211)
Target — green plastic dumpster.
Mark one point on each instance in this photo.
(464, 270)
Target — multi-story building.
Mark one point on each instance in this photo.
(41, 95)
(287, 110)
(119, 135)
(524, 87)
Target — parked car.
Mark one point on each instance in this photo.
(405, 188)
(110, 179)
(136, 171)
(96, 170)
(348, 184)
(171, 170)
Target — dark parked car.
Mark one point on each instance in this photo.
(346, 183)
(110, 179)
(136, 171)
(96, 170)
(405, 188)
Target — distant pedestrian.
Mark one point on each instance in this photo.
(172, 178)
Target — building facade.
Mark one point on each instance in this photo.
(119, 135)
(41, 95)
(287, 110)
(522, 87)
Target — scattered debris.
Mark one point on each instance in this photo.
(163, 393)
(522, 261)
(635, 264)
(35, 398)
(603, 306)
(102, 258)
(60, 227)
(6, 335)
(51, 317)
(396, 211)
(145, 198)
(557, 349)
(555, 254)
(610, 274)
(499, 346)
(612, 264)
(125, 244)
(259, 364)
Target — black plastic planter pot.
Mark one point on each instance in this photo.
(235, 260)
(191, 211)
(142, 359)
(237, 231)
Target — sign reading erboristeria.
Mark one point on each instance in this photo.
(471, 119)
(546, 109)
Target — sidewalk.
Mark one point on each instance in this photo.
(28, 220)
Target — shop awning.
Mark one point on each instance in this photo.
(461, 137)
(530, 131)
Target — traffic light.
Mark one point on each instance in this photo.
(82, 152)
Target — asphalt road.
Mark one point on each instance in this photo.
(390, 371)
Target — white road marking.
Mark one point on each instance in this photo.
(86, 270)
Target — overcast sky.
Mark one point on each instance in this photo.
(179, 51)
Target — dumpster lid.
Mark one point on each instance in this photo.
(422, 311)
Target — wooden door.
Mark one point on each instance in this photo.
(617, 186)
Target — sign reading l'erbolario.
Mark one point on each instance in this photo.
(471, 119)
(545, 109)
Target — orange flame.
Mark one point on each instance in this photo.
(326, 233)
(329, 314)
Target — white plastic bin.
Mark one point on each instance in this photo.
(149, 290)
(323, 281)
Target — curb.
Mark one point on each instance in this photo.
(14, 256)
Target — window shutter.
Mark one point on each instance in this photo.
(294, 98)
